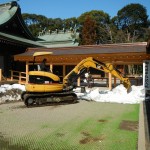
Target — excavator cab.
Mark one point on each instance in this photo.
(42, 81)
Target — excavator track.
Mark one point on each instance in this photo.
(43, 98)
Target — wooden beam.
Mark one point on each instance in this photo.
(110, 81)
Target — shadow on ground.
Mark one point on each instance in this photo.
(147, 122)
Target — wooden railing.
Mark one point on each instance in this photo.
(19, 76)
(2, 78)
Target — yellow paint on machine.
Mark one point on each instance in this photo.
(44, 87)
(45, 74)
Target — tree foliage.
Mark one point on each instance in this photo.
(130, 25)
(88, 33)
(132, 19)
(99, 16)
(38, 23)
(132, 16)
(102, 21)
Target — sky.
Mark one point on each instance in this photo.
(67, 8)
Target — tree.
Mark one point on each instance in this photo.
(133, 16)
(146, 34)
(102, 20)
(130, 25)
(99, 16)
(39, 23)
(70, 23)
(131, 19)
(35, 23)
(89, 31)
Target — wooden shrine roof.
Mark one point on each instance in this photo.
(11, 21)
(114, 53)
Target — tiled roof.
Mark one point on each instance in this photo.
(19, 40)
(59, 39)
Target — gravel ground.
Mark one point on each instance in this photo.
(47, 127)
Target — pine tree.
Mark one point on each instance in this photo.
(88, 34)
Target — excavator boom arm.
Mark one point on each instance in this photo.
(93, 63)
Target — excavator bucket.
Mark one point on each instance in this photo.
(127, 84)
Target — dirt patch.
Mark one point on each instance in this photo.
(102, 120)
(5, 144)
(129, 125)
(89, 139)
(9, 102)
(85, 133)
(18, 107)
(60, 134)
(92, 139)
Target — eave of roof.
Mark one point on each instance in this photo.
(11, 21)
(20, 40)
(131, 53)
(92, 49)
(6, 13)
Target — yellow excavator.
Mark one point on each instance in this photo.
(46, 87)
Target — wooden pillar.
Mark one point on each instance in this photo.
(19, 77)
(51, 67)
(11, 75)
(114, 81)
(78, 80)
(27, 71)
(64, 71)
(107, 78)
(0, 74)
(110, 81)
